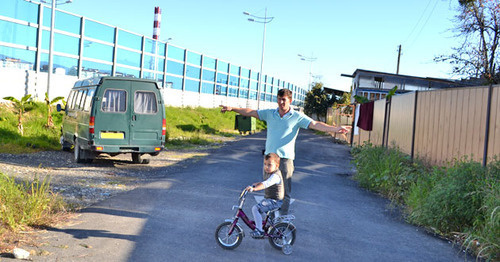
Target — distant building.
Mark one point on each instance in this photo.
(8, 62)
(375, 85)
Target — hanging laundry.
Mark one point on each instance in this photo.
(365, 120)
(356, 119)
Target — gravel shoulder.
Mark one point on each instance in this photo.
(82, 185)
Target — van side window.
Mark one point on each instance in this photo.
(145, 102)
(88, 101)
(82, 100)
(114, 101)
(76, 99)
(70, 100)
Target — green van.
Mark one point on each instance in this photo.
(114, 115)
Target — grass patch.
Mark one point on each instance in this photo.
(27, 203)
(24, 206)
(460, 201)
(201, 124)
(36, 136)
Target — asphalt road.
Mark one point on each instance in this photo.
(174, 218)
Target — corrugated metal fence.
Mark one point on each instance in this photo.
(437, 126)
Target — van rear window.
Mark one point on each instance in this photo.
(114, 101)
(145, 102)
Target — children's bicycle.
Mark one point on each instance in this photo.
(280, 231)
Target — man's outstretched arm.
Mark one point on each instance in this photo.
(241, 111)
(320, 126)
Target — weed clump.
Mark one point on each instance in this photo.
(27, 204)
(460, 200)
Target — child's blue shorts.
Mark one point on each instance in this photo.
(268, 204)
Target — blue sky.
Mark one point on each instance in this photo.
(342, 35)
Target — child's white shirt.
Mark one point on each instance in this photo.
(274, 179)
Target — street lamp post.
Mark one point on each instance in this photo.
(263, 20)
(311, 60)
(51, 43)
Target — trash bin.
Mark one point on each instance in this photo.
(245, 124)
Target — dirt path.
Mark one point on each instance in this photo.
(82, 185)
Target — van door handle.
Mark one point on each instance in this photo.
(134, 117)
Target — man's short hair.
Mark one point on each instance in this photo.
(285, 92)
(273, 157)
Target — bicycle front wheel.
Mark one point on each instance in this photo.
(225, 240)
(281, 234)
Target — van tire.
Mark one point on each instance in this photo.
(136, 158)
(65, 146)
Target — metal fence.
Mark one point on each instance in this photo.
(437, 126)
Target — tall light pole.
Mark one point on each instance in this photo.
(51, 43)
(311, 60)
(263, 20)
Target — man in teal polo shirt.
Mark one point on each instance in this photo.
(283, 126)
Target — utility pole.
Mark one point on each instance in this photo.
(399, 56)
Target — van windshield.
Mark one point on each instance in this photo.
(114, 101)
(145, 102)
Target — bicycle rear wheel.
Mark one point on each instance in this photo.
(225, 240)
(282, 233)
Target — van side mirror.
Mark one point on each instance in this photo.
(59, 108)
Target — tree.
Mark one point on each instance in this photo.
(49, 104)
(20, 106)
(345, 99)
(318, 101)
(478, 23)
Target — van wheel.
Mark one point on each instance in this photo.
(136, 158)
(81, 155)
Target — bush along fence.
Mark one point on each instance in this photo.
(438, 126)
(460, 200)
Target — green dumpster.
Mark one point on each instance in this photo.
(245, 124)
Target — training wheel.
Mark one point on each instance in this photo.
(287, 249)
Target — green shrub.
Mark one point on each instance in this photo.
(389, 172)
(484, 237)
(418, 192)
(455, 199)
(461, 200)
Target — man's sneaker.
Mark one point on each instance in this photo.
(257, 234)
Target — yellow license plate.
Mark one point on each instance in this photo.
(110, 135)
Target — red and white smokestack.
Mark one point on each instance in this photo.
(156, 26)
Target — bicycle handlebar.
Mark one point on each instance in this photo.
(244, 193)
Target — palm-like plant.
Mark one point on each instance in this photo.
(20, 106)
(49, 103)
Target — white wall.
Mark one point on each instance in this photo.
(18, 83)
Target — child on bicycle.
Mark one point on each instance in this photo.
(273, 195)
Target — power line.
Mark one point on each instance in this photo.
(418, 22)
(427, 20)
(415, 38)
